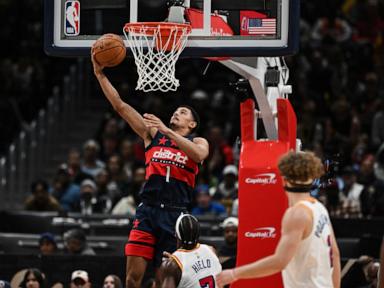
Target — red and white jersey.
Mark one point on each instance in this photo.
(312, 266)
(199, 267)
(170, 173)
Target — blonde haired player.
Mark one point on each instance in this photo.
(307, 253)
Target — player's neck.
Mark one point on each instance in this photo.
(180, 130)
(294, 198)
(188, 247)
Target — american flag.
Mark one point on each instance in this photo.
(266, 26)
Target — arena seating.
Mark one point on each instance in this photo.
(97, 224)
(356, 227)
(26, 244)
(107, 234)
(40, 222)
(59, 268)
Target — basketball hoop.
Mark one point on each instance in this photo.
(156, 46)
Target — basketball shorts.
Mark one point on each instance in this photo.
(153, 231)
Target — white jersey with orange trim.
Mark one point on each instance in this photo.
(311, 267)
(199, 267)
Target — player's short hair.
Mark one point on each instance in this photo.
(187, 230)
(300, 168)
(195, 116)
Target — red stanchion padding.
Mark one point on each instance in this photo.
(287, 122)
(262, 200)
(247, 120)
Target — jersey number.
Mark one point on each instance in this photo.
(168, 173)
(207, 282)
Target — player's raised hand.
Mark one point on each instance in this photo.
(97, 68)
(152, 121)
(225, 277)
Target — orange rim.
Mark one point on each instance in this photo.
(150, 27)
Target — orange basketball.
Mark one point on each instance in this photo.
(109, 50)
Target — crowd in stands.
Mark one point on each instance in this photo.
(90, 183)
(34, 278)
(75, 243)
(338, 96)
(27, 74)
(339, 101)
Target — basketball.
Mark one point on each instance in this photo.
(109, 50)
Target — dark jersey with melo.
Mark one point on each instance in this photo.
(170, 174)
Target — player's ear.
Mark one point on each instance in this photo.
(286, 182)
(192, 124)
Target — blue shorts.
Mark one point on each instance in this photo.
(153, 232)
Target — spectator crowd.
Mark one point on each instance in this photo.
(338, 96)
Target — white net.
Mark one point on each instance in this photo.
(156, 48)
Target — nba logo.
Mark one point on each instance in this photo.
(72, 18)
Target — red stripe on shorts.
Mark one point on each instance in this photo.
(146, 252)
(141, 244)
(142, 236)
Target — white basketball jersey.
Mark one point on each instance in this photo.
(199, 267)
(311, 267)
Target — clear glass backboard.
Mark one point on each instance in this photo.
(219, 27)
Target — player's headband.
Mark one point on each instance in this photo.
(178, 225)
(180, 230)
(298, 186)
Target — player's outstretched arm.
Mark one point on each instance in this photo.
(294, 224)
(197, 149)
(170, 273)
(127, 112)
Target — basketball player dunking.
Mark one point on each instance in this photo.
(307, 252)
(193, 265)
(172, 158)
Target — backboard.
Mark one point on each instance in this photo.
(240, 28)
